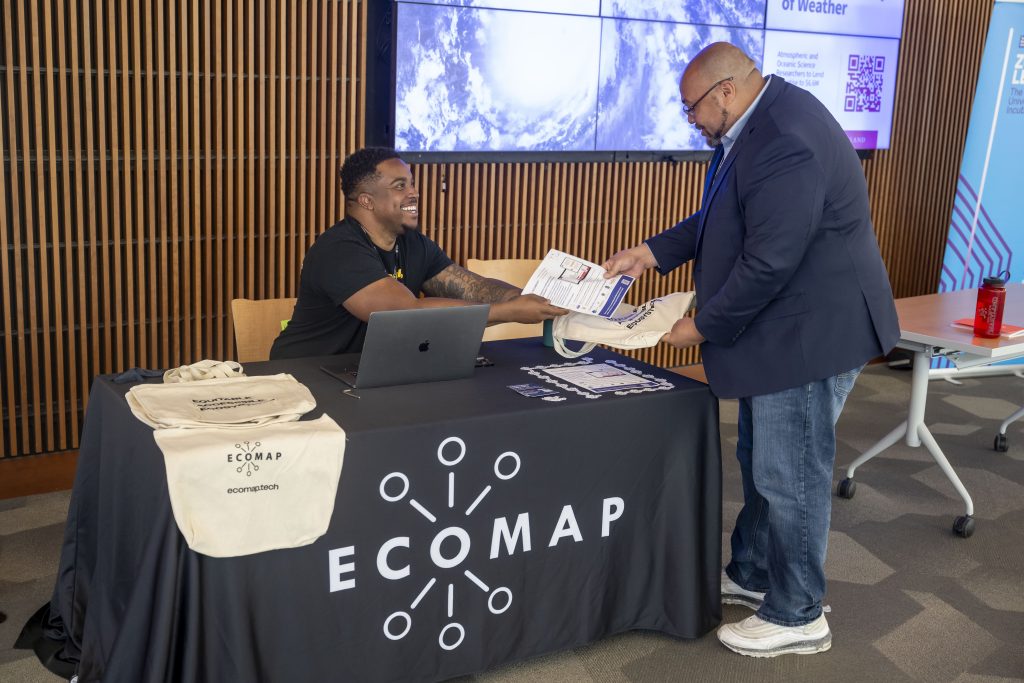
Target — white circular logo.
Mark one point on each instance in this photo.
(449, 548)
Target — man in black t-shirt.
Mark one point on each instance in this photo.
(376, 260)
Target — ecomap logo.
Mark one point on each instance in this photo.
(398, 624)
(450, 546)
(249, 459)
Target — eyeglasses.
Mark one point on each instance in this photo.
(693, 107)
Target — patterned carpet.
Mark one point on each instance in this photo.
(910, 601)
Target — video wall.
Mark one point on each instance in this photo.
(603, 75)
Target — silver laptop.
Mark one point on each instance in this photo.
(421, 345)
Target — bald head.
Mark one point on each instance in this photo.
(718, 86)
(721, 60)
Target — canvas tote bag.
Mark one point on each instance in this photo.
(242, 492)
(231, 402)
(629, 327)
(203, 370)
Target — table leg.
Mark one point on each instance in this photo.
(947, 469)
(1010, 420)
(916, 433)
(886, 441)
(1000, 442)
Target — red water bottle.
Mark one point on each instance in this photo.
(988, 316)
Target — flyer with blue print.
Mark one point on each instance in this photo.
(600, 377)
(577, 285)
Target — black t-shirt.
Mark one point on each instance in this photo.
(341, 262)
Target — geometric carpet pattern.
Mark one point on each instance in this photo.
(908, 599)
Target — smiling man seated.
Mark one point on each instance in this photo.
(375, 259)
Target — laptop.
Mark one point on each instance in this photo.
(417, 345)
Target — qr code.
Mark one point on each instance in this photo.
(864, 83)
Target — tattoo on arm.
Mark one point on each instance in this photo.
(455, 282)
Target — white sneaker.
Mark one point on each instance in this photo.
(756, 637)
(734, 594)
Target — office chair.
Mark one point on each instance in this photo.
(257, 324)
(515, 272)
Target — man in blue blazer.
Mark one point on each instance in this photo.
(792, 300)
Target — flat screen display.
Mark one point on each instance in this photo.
(601, 76)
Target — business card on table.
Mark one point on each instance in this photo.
(531, 390)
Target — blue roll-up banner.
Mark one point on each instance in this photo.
(986, 231)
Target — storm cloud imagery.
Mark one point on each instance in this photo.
(555, 75)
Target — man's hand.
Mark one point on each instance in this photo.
(684, 334)
(630, 262)
(525, 308)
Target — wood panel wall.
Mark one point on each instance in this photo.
(161, 158)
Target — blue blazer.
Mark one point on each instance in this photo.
(790, 285)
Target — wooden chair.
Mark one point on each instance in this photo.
(515, 272)
(257, 324)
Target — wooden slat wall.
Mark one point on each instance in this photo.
(160, 159)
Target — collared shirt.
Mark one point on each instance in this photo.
(733, 134)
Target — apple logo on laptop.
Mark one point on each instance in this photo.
(425, 345)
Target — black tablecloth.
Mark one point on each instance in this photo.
(578, 519)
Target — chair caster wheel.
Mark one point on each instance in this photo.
(963, 526)
(1000, 443)
(847, 487)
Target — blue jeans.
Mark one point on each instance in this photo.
(787, 450)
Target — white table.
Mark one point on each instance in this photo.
(925, 330)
